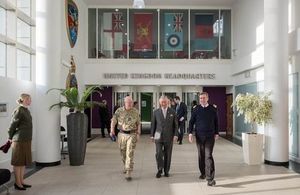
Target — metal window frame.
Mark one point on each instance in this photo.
(158, 30)
(31, 22)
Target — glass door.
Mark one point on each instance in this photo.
(188, 98)
(146, 107)
(119, 98)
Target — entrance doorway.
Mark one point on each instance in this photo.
(146, 111)
(217, 96)
(169, 95)
(146, 107)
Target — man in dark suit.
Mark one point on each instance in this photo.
(104, 117)
(181, 111)
(205, 119)
(164, 129)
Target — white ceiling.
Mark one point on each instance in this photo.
(160, 3)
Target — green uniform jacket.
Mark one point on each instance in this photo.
(21, 125)
(126, 119)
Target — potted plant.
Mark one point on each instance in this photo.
(77, 121)
(257, 109)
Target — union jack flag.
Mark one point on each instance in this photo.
(117, 22)
(178, 22)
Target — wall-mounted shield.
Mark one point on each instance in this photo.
(72, 20)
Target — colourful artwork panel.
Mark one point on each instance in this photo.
(72, 21)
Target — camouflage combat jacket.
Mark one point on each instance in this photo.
(127, 120)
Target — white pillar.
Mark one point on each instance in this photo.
(296, 13)
(48, 46)
(276, 80)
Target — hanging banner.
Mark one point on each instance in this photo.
(204, 25)
(204, 34)
(143, 28)
(72, 21)
(173, 32)
(113, 31)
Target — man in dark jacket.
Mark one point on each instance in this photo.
(181, 111)
(104, 117)
(205, 119)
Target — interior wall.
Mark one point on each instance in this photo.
(95, 69)
(78, 51)
(11, 88)
(248, 52)
(10, 91)
(248, 34)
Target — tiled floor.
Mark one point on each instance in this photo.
(102, 175)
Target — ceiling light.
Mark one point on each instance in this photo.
(138, 4)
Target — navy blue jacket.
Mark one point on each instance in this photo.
(182, 111)
(205, 120)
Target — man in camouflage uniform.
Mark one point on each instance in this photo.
(128, 122)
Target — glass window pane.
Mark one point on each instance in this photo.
(23, 65)
(120, 97)
(24, 6)
(12, 2)
(112, 33)
(173, 34)
(170, 95)
(2, 21)
(23, 33)
(92, 34)
(190, 98)
(204, 37)
(143, 39)
(2, 59)
(293, 114)
(225, 33)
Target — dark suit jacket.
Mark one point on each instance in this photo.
(104, 113)
(167, 127)
(182, 111)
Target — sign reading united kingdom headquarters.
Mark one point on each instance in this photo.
(185, 76)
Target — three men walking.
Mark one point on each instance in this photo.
(164, 131)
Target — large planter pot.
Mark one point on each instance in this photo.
(77, 124)
(252, 148)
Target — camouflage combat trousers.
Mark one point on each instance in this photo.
(127, 143)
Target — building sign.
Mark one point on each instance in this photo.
(185, 76)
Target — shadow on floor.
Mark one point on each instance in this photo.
(292, 165)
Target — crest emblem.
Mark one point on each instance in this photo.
(72, 20)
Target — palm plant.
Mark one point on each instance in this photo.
(73, 100)
(77, 122)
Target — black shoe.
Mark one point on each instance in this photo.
(202, 176)
(103, 136)
(26, 186)
(128, 176)
(19, 188)
(158, 174)
(180, 143)
(211, 182)
(167, 175)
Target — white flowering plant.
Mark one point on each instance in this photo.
(256, 108)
